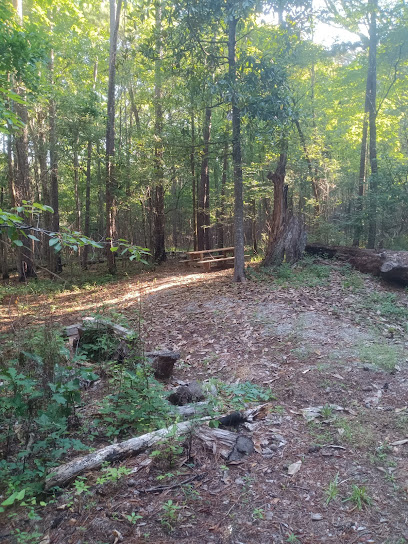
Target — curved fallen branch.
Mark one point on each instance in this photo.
(65, 473)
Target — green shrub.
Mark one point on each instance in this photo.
(138, 405)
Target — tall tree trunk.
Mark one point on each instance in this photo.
(363, 159)
(3, 243)
(239, 266)
(44, 180)
(280, 205)
(361, 180)
(87, 223)
(372, 117)
(4, 247)
(55, 264)
(193, 180)
(203, 215)
(101, 192)
(111, 187)
(221, 216)
(280, 199)
(76, 186)
(158, 202)
(254, 227)
(22, 180)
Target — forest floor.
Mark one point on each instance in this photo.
(321, 335)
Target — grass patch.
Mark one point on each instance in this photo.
(306, 273)
(386, 305)
(380, 355)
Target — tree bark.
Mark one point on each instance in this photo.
(22, 180)
(254, 227)
(111, 188)
(390, 265)
(193, 181)
(221, 216)
(358, 230)
(87, 223)
(3, 243)
(279, 214)
(55, 264)
(76, 186)
(239, 264)
(158, 201)
(372, 118)
(203, 215)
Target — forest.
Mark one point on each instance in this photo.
(162, 124)
(148, 394)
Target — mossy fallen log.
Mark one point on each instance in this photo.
(389, 265)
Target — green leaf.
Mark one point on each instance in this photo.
(21, 495)
(33, 237)
(18, 243)
(10, 500)
(53, 241)
(59, 399)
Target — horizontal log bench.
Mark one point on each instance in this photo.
(216, 261)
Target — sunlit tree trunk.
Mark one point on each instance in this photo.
(203, 214)
(239, 267)
(372, 118)
(87, 223)
(110, 198)
(362, 174)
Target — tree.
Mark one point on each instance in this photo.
(158, 200)
(111, 186)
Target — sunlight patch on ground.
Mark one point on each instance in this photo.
(72, 302)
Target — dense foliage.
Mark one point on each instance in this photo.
(173, 123)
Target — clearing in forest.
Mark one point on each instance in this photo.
(323, 345)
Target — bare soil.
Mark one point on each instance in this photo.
(321, 345)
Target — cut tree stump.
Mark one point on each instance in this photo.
(389, 265)
(162, 362)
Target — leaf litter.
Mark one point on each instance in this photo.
(305, 344)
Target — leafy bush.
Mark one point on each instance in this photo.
(139, 404)
(39, 394)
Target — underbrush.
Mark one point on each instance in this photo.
(50, 396)
(41, 408)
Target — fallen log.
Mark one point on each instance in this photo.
(389, 265)
(63, 474)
